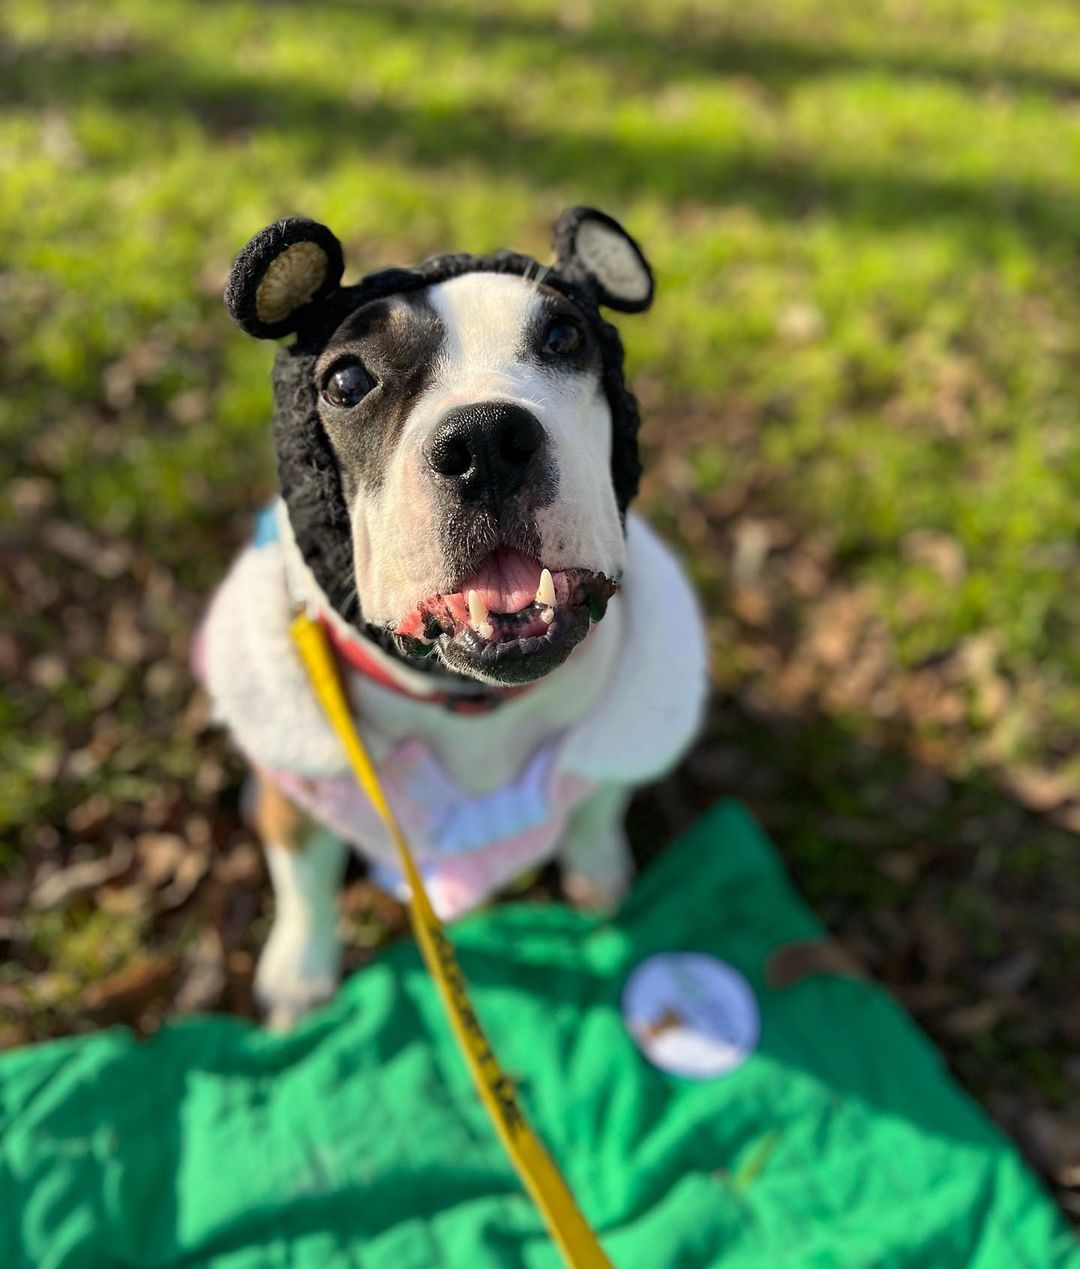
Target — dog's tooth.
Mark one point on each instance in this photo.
(478, 615)
(478, 612)
(547, 616)
(545, 592)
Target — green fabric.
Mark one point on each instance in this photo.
(358, 1140)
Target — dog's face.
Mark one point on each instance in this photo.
(474, 442)
(473, 436)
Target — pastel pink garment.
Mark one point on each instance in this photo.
(466, 845)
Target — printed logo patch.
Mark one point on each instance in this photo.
(691, 1014)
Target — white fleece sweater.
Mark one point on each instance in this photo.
(481, 797)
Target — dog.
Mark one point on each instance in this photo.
(457, 450)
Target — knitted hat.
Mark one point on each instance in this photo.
(287, 281)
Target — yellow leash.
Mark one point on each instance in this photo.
(542, 1180)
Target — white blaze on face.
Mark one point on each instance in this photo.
(487, 319)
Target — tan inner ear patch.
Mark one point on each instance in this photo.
(290, 280)
(612, 261)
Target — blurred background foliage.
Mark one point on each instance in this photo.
(860, 384)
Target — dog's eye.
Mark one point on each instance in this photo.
(563, 338)
(347, 385)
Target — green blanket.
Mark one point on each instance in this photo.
(824, 1133)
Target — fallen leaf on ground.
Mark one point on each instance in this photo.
(124, 993)
(793, 962)
(65, 884)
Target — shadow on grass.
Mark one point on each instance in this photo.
(655, 56)
(230, 105)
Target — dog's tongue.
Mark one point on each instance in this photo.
(506, 581)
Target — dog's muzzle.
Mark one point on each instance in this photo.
(502, 613)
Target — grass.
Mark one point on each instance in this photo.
(860, 381)
(869, 240)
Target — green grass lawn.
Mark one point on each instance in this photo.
(860, 381)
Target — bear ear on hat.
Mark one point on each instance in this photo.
(593, 248)
(286, 267)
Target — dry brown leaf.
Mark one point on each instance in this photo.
(90, 815)
(103, 558)
(1041, 789)
(1053, 1140)
(159, 856)
(792, 962)
(64, 884)
(751, 605)
(1013, 973)
(242, 866)
(190, 870)
(937, 551)
(204, 975)
(120, 996)
(972, 1020)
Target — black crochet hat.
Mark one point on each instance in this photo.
(287, 280)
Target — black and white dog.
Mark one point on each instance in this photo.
(457, 449)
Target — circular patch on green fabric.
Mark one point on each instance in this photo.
(691, 1014)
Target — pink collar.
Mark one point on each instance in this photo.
(358, 656)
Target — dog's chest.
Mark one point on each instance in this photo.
(481, 753)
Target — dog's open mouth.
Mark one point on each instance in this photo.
(512, 620)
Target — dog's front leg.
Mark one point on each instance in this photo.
(301, 962)
(597, 867)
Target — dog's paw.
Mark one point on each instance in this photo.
(598, 895)
(282, 1018)
(297, 970)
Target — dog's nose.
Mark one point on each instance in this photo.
(486, 449)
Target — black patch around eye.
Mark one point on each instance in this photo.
(347, 384)
(562, 337)
(397, 342)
